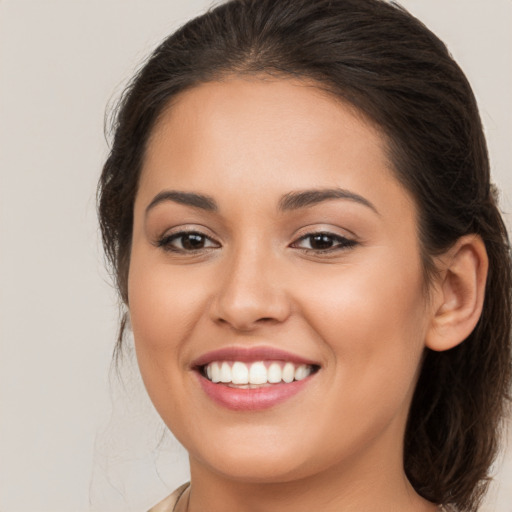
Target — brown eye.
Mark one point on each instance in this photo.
(323, 242)
(187, 241)
(193, 241)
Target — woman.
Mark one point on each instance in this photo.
(298, 210)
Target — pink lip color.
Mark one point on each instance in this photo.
(250, 354)
(250, 399)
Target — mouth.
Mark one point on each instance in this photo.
(252, 378)
(242, 375)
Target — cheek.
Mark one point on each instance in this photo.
(373, 323)
(165, 302)
(162, 315)
(164, 306)
(373, 319)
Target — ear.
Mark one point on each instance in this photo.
(458, 295)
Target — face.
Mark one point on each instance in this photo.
(275, 287)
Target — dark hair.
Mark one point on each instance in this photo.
(377, 57)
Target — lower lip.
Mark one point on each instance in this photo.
(255, 399)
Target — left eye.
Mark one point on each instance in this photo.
(187, 241)
(323, 242)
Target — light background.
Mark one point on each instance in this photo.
(71, 439)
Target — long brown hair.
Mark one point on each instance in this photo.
(386, 63)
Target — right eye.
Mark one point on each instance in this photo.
(187, 241)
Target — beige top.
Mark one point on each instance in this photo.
(168, 504)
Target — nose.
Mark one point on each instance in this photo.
(250, 292)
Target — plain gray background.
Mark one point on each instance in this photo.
(71, 438)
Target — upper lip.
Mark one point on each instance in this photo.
(250, 354)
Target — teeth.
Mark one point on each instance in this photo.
(225, 373)
(239, 373)
(257, 373)
(274, 373)
(288, 372)
(215, 369)
(302, 372)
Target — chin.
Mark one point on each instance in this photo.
(264, 460)
(261, 469)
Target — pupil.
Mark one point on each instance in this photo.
(193, 241)
(321, 242)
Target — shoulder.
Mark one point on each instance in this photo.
(168, 504)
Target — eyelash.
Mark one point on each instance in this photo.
(339, 243)
(166, 242)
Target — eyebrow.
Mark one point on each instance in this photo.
(200, 201)
(307, 198)
(290, 201)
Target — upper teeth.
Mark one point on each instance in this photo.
(260, 372)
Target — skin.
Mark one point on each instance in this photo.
(360, 310)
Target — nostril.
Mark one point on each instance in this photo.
(250, 309)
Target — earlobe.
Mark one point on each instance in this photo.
(459, 293)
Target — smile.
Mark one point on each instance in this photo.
(253, 378)
(254, 375)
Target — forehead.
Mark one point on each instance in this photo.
(253, 135)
